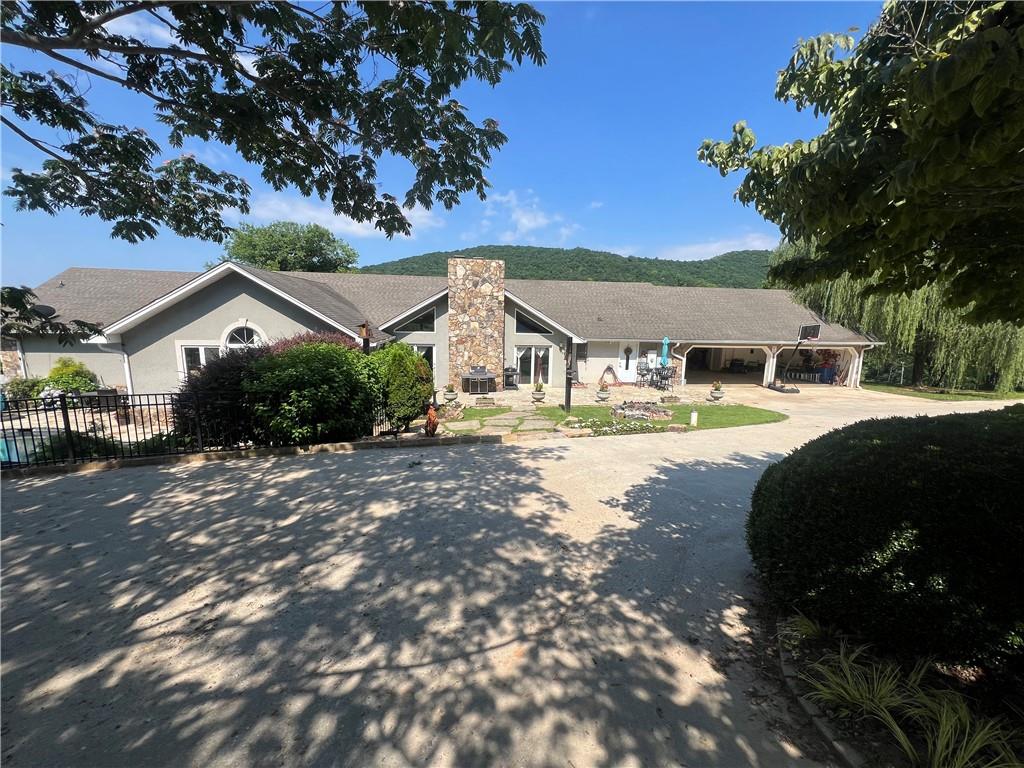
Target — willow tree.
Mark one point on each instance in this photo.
(918, 179)
(943, 344)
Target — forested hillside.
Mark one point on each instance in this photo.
(736, 269)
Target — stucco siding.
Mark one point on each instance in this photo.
(600, 355)
(106, 363)
(206, 317)
(556, 341)
(439, 338)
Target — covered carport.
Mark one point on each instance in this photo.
(705, 361)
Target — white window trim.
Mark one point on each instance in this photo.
(433, 313)
(242, 322)
(547, 332)
(179, 352)
(533, 347)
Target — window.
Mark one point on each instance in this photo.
(242, 337)
(533, 363)
(526, 325)
(426, 351)
(195, 357)
(424, 322)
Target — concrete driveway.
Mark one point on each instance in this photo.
(565, 603)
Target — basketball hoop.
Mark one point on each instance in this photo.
(809, 333)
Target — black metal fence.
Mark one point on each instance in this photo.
(77, 428)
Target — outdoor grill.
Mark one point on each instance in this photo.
(479, 381)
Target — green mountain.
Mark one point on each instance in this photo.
(736, 269)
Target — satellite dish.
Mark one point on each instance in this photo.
(45, 311)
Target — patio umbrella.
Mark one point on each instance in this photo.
(664, 351)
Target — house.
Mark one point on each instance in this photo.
(158, 325)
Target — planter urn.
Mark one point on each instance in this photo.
(450, 397)
(603, 395)
(537, 396)
(717, 394)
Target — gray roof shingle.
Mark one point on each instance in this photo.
(590, 310)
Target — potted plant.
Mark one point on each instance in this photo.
(538, 392)
(716, 390)
(450, 394)
(602, 391)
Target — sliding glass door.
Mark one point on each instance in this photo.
(533, 364)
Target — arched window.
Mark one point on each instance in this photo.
(242, 337)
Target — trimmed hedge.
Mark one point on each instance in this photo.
(908, 532)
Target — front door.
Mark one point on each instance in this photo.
(628, 351)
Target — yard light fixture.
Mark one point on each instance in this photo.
(693, 417)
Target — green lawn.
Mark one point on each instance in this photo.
(484, 413)
(939, 394)
(708, 416)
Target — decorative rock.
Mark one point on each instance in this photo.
(485, 401)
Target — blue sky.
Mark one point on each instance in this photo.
(601, 152)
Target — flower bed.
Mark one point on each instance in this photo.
(640, 410)
(600, 427)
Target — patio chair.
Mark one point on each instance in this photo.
(668, 375)
(643, 373)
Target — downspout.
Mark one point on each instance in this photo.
(21, 358)
(125, 363)
(681, 359)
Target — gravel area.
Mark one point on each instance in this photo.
(570, 603)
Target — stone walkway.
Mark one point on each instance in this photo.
(522, 418)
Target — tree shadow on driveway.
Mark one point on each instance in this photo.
(391, 607)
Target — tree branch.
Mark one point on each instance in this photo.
(34, 141)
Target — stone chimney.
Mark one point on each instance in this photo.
(476, 317)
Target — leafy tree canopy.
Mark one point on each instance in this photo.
(314, 96)
(920, 173)
(289, 246)
(736, 269)
(23, 316)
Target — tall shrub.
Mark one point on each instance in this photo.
(406, 383)
(317, 392)
(906, 531)
(212, 400)
(70, 375)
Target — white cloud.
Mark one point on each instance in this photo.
(595, 204)
(276, 207)
(524, 220)
(142, 27)
(710, 248)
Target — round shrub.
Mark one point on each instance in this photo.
(311, 393)
(905, 531)
(19, 388)
(407, 384)
(70, 375)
